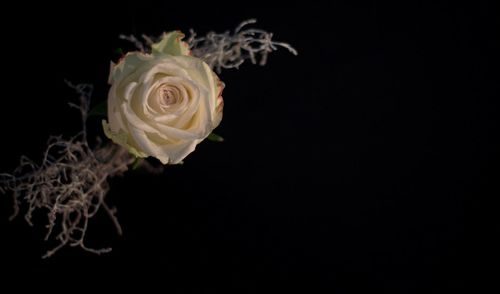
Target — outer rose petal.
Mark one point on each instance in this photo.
(171, 44)
(121, 138)
(127, 65)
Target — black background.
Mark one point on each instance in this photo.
(344, 170)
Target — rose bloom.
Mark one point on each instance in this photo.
(164, 103)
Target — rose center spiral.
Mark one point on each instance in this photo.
(167, 97)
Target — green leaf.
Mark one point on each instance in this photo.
(215, 138)
(119, 51)
(100, 109)
(137, 163)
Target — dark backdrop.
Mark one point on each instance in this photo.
(344, 170)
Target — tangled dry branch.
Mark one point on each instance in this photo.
(226, 50)
(71, 183)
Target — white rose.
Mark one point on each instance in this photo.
(164, 103)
